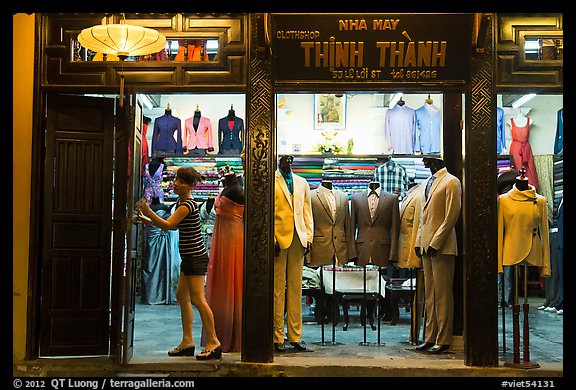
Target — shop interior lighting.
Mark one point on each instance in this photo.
(146, 101)
(122, 40)
(522, 100)
(394, 99)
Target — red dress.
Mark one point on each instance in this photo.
(145, 156)
(225, 273)
(521, 151)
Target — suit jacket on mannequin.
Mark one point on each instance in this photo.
(293, 232)
(230, 139)
(292, 214)
(523, 229)
(332, 234)
(410, 209)
(376, 239)
(163, 136)
(200, 138)
(440, 213)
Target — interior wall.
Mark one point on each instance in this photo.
(22, 109)
(365, 117)
(542, 111)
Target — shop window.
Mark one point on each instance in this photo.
(544, 49)
(177, 49)
(346, 137)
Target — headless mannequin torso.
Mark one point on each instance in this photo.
(522, 181)
(232, 189)
(154, 165)
(156, 205)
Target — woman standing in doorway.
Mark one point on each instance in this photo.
(194, 264)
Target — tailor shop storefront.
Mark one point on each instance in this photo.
(264, 59)
(364, 60)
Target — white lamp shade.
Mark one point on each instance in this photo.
(122, 40)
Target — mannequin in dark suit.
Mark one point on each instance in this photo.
(230, 134)
(377, 237)
(163, 136)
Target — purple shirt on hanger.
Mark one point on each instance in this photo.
(400, 129)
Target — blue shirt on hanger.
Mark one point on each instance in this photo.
(500, 130)
(427, 129)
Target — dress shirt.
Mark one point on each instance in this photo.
(330, 197)
(288, 179)
(427, 129)
(400, 129)
(392, 177)
(500, 130)
(373, 196)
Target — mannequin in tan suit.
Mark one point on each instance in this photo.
(410, 209)
(332, 229)
(436, 245)
(293, 233)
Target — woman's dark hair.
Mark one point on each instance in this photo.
(190, 176)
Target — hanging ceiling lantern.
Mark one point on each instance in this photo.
(122, 40)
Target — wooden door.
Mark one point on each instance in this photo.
(77, 221)
(127, 190)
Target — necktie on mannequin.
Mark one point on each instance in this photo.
(429, 185)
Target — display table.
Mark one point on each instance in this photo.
(396, 291)
(349, 281)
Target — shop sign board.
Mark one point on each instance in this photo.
(397, 48)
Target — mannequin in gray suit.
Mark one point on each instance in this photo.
(436, 245)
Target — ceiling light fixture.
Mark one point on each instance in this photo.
(394, 99)
(122, 40)
(146, 101)
(522, 100)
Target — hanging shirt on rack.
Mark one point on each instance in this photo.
(559, 140)
(500, 130)
(400, 129)
(427, 138)
(392, 177)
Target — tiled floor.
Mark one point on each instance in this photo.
(158, 329)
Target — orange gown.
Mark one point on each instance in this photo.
(225, 273)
